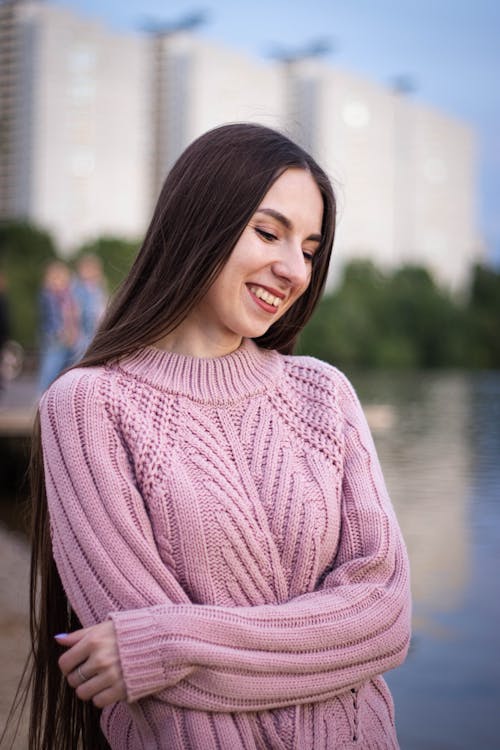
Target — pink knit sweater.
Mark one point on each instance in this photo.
(231, 517)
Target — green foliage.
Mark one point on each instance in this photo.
(116, 255)
(404, 319)
(484, 318)
(24, 252)
(421, 313)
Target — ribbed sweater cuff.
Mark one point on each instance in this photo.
(143, 668)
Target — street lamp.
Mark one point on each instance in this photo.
(169, 93)
(315, 48)
(302, 88)
(187, 22)
(404, 192)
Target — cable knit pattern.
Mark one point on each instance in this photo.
(231, 517)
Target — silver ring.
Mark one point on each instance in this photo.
(81, 674)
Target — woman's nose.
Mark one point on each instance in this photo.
(292, 265)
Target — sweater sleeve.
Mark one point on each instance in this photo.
(355, 626)
(102, 540)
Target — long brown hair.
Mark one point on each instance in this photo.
(206, 202)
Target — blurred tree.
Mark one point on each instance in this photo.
(116, 255)
(483, 318)
(25, 250)
(418, 311)
(343, 329)
(376, 320)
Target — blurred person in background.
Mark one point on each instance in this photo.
(216, 562)
(58, 323)
(90, 294)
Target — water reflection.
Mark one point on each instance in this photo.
(427, 467)
(441, 462)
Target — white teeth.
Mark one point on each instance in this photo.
(265, 295)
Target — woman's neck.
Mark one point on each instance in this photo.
(196, 341)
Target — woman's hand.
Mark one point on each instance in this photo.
(92, 664)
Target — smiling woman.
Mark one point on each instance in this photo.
(214, 549)
(269, 268)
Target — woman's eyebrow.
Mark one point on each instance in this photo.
(285, 221)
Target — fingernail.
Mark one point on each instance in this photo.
(61, 635)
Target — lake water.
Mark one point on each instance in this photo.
(441, 460)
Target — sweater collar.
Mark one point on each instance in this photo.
(246, 371)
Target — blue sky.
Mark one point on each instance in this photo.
(450, 48)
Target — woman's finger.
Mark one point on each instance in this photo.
(74, 656)
(69, 639)
(81, 674)
(93, 686)
(109, 685)
(110, 696)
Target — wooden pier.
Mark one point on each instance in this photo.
(16, 422)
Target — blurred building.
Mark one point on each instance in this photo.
(199, 85)
(405, 175)
(93, 119)
(74, 146)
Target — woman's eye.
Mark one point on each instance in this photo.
(309, 257)
(266, 235)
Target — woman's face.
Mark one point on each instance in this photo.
(267, 271)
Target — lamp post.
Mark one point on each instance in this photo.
(404, 194)
(301, 88)
(168, 84)
(187, 22)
